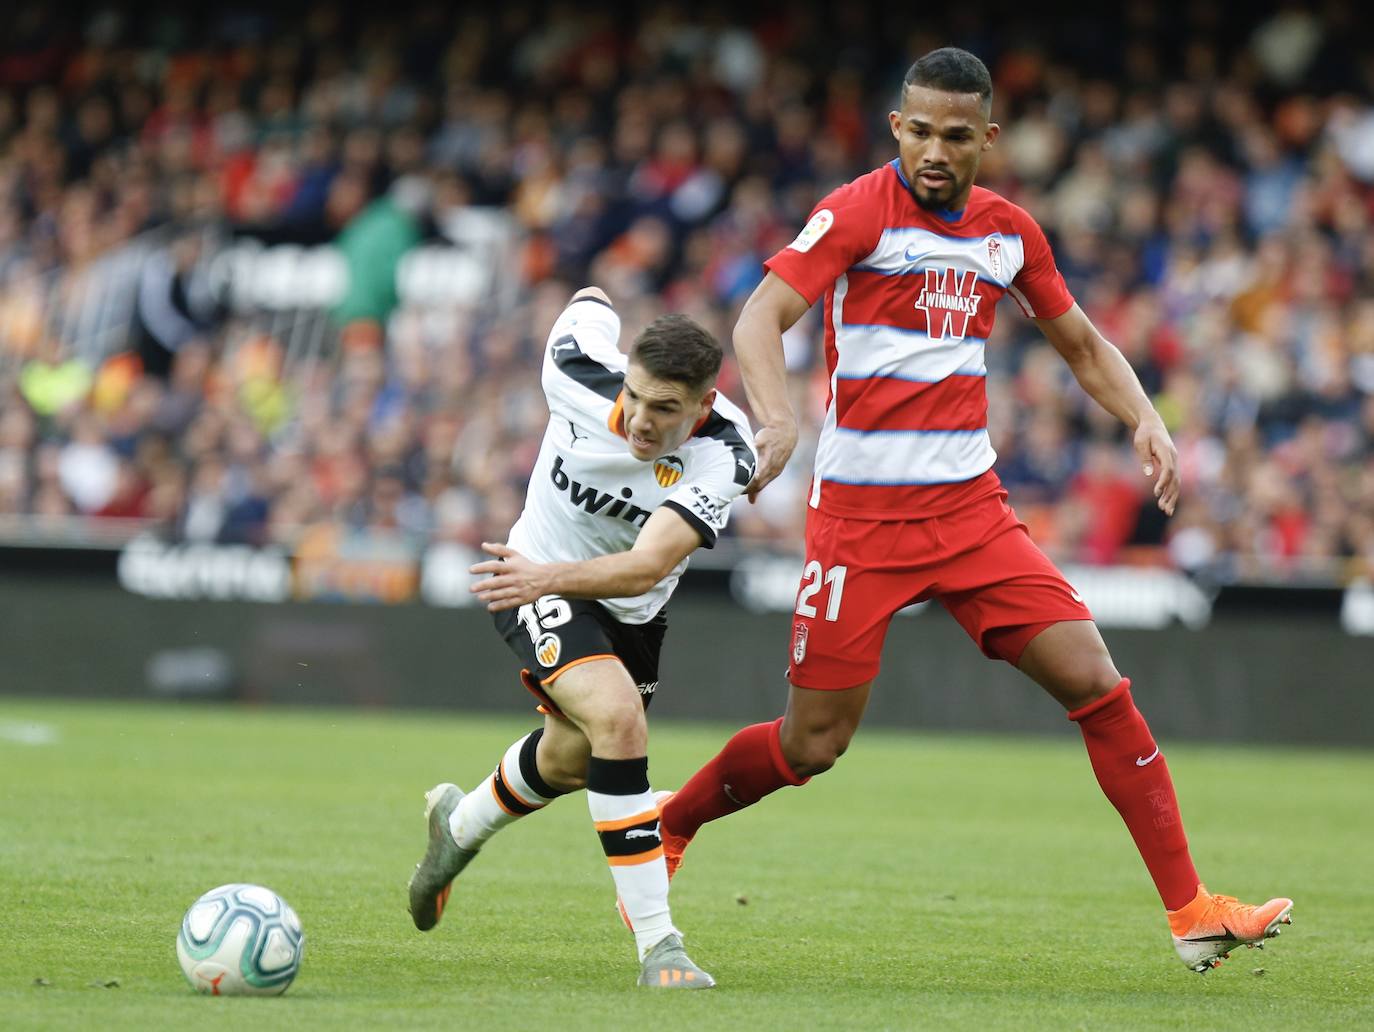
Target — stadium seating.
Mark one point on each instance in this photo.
(262, 275)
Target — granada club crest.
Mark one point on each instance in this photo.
(668, 470)
(799, 632)
(547, 649)
(995, 257)
(949, 299)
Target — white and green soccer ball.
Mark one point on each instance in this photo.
(240, 940)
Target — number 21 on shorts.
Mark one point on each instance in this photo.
(814, 578)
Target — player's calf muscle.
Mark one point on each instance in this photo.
(564, 778)
(561, 756)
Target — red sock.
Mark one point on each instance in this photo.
(1134, 776)
(749, 767)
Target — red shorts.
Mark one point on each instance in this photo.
(979, 562)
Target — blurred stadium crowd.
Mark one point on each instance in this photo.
(1206, 177)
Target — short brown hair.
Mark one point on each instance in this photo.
(673, 347)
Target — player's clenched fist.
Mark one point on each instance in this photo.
(774, 445)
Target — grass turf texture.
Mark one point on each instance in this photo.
(927, 882)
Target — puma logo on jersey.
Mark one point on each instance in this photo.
(593, 500)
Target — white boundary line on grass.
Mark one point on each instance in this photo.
(24, 732)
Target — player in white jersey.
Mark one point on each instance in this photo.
(639, 465)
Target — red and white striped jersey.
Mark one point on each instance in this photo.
(909, 304)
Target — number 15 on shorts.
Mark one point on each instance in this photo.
(814, 579)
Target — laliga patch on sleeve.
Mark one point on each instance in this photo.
(812, 232)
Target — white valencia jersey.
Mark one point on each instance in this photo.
(588, 495)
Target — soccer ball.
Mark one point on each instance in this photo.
(240, 940)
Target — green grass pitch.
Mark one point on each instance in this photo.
(927, 882)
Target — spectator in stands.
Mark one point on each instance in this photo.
(1211, 197)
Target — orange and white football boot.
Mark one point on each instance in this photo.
(1210, 927)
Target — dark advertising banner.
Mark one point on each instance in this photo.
(332, 566)
(347, 625)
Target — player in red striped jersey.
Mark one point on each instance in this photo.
(911, 260)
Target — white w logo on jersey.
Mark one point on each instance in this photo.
(949, 302)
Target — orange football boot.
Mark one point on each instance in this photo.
(673, 845)
(1210, 927)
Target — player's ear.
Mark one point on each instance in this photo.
(894, 122)
(708, 401)
(994, 130)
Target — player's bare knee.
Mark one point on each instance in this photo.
(1086, 685)
(816, 760)
(814, 752)
(1102, 675)
(1102, 683)
(619, 732)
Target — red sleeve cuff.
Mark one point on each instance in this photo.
(791, 277)
(1067, 303)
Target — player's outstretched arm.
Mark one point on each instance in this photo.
(665, 541)
(1110, 381)
(772, 308)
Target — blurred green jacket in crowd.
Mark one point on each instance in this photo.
(372, 246)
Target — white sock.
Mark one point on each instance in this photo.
(504, 797)
(626, 820)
